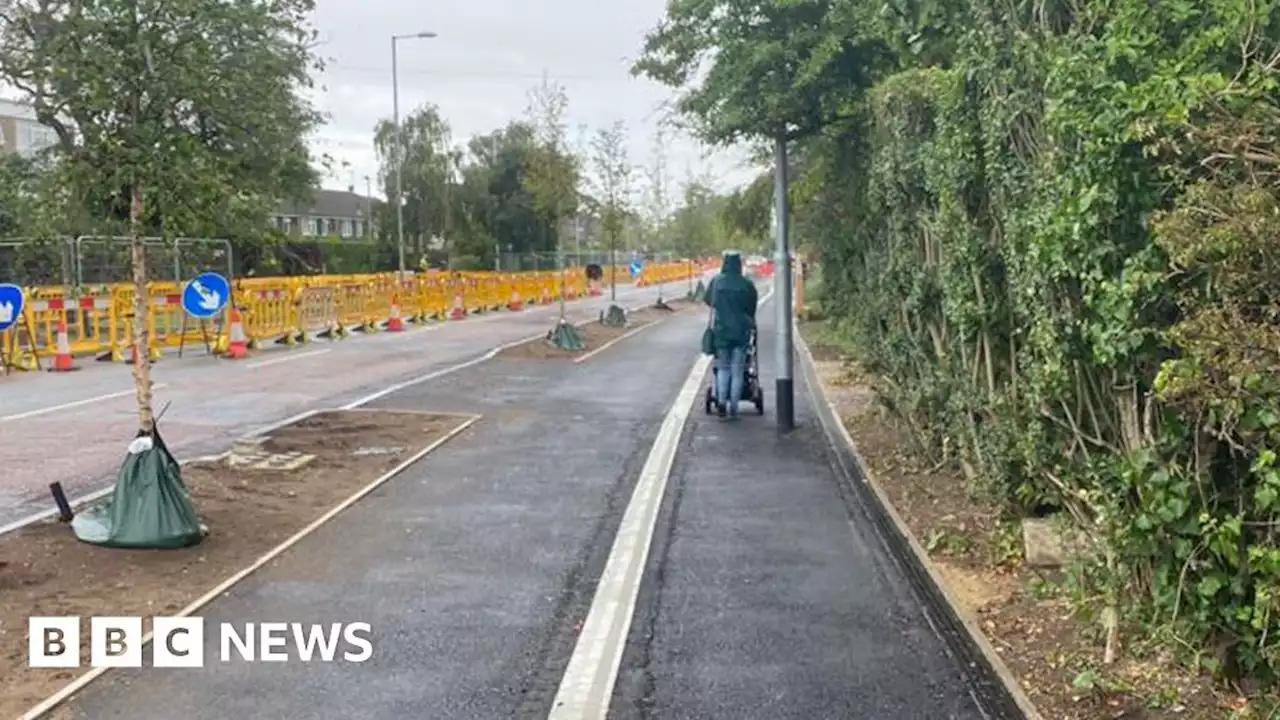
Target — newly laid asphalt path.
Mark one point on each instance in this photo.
(766, 594)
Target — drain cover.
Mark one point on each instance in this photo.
(367, 451)
(270, 461)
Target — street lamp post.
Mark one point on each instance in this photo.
(785, 401)
(399, 144)
(368, 208)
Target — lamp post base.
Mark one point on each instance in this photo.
(785, 402)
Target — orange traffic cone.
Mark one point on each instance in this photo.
(515, 303)
(546, 295)
(394, 323)
(238, 344)
(459, 310)
(62, 361)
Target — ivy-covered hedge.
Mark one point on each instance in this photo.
(1054, 232)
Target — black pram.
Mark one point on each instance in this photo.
(751, 391)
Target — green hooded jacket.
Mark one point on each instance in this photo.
(733, 298)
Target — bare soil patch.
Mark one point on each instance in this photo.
(1055, 656)
(45, 570)
(594, 334)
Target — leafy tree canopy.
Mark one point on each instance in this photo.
(196, 103)
(768, 69)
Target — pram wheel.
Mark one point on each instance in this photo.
(758, 399)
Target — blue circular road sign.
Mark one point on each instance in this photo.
(11, 302)
(636, 267)
(206, 295)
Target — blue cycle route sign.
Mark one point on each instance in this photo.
(11, 302)
(206, 295)
(635, 267)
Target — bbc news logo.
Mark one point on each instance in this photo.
(179, 642)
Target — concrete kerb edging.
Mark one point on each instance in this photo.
(83, 681)
(967, 621)
(620, 338)
(615, 341)
(507, 346)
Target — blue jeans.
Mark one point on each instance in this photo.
(730, 372)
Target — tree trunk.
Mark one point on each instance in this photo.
(141, 307)
(555, 234)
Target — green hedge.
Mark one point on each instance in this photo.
(1059, 249)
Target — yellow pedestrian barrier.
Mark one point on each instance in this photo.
(317, 314)
(353, 306)
(527, 286)
(433, 299)
(494, 298)
(660, 273)
(165, 322)
(377, 304)
(472, 299)
(118, 338)
(18, 350)
(268, 316)
(88, 320)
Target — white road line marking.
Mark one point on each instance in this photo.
(288, 358)
(70, 405)
(587, 686)
(438, 373)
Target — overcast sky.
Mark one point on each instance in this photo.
(479, 70)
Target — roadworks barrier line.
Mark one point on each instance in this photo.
(99, 321)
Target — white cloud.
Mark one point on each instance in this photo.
(480, 68)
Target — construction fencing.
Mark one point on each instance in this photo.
(98, 319)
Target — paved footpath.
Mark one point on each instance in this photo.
(768, 593)
(765, 596)
(73, 428)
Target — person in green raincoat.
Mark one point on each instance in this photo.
(732, 298)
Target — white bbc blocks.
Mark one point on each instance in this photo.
(53, 642)
(115, 642)
(178, 642)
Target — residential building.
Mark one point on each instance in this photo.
(331, 213)
(20, 132)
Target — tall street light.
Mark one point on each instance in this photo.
(783, 386)
(399, 144)
(368, 208)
